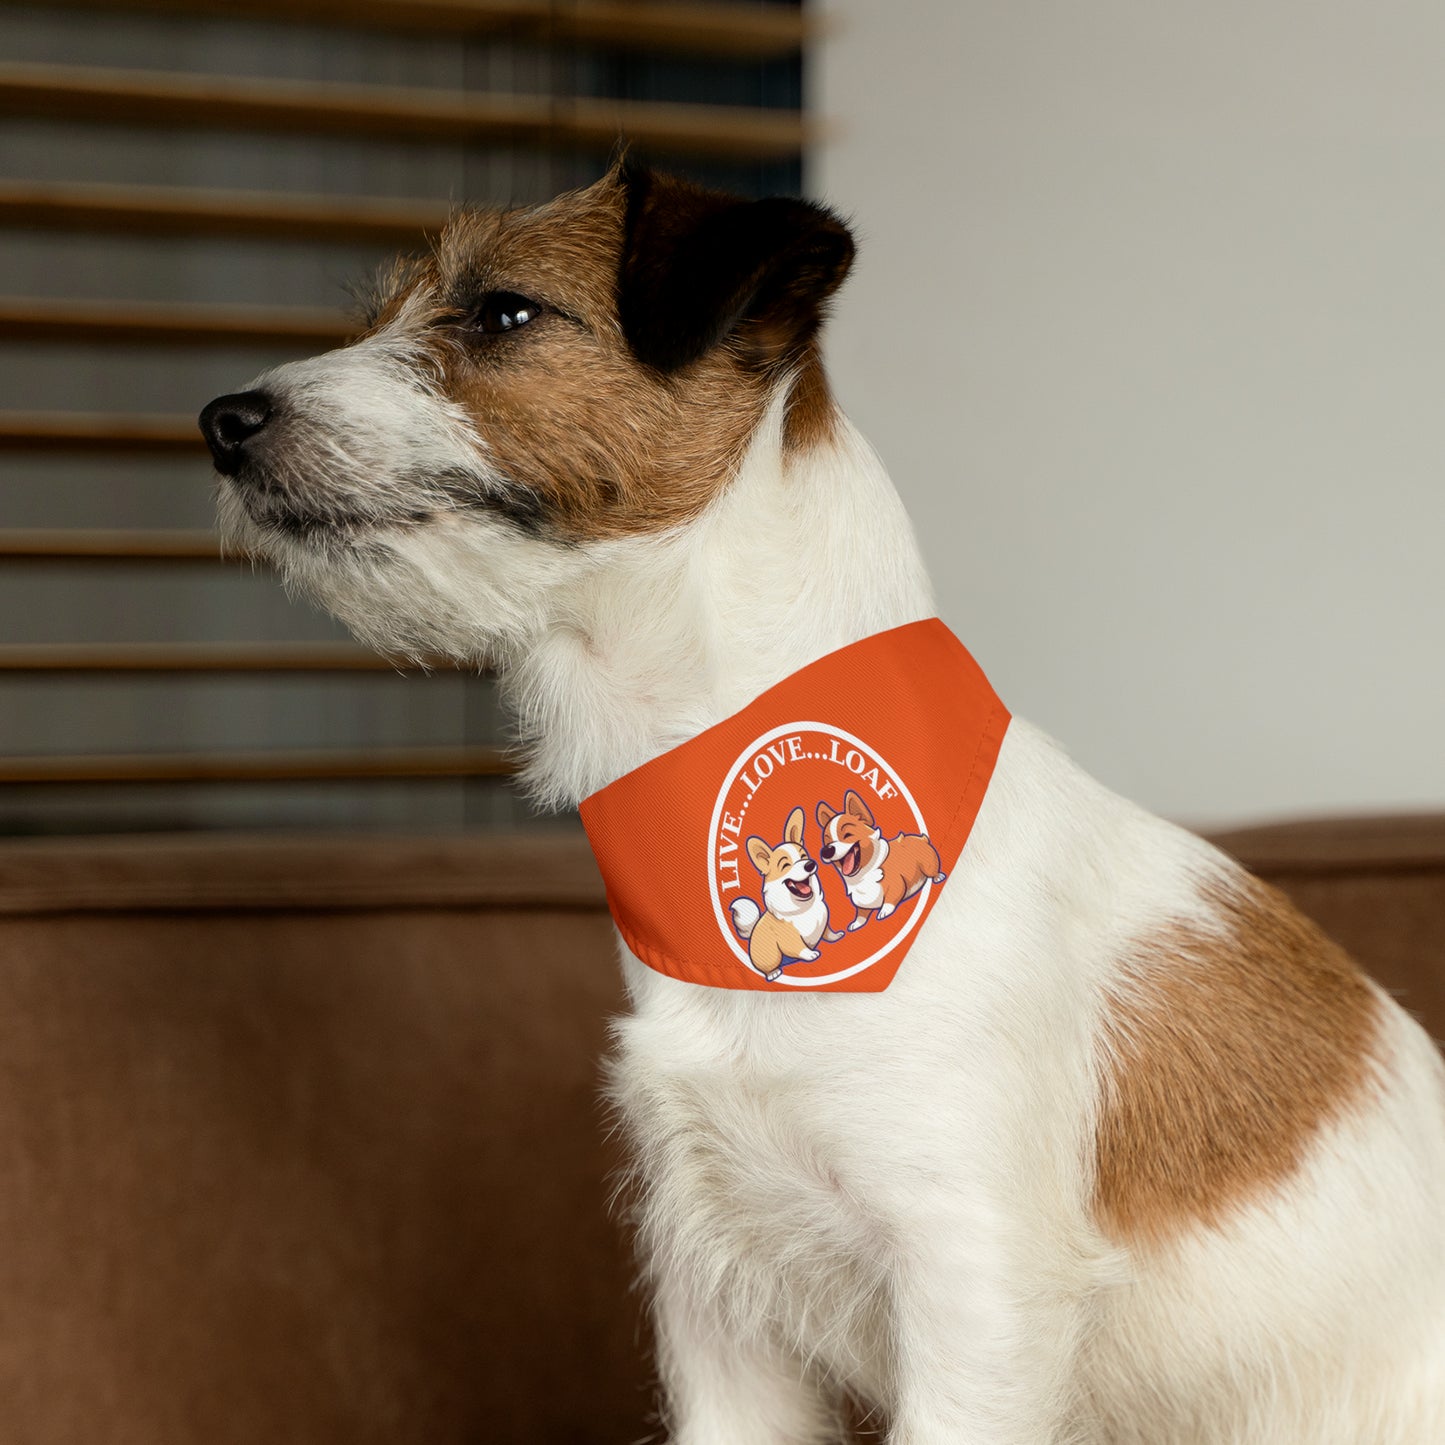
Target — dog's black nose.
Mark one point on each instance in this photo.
(809, 866)
(229, 422)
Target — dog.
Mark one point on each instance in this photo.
(1127, 1153)
(877, 872)
(797, 915)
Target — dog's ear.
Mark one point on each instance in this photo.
(855, 805)
(793, 830)
(700, 266)
(760, 853)
(824, 815)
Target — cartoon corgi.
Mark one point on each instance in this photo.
(796, 917)
(878, 872)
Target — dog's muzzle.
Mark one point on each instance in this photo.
(230, 422)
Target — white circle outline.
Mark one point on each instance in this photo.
(729, 936)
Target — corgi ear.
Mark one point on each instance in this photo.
(793, 832)
(760, 853)
(825, 815)
(699, 267)
(855, 805)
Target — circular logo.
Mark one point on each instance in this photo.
(820, 862)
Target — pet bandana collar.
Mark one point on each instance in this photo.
(800, 843)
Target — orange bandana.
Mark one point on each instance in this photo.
(800, 843)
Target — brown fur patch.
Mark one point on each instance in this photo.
(605, 445)
(812, 413)
(1226, 1054)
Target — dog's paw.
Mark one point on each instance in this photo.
(858, 922)
(774, 976)
(884, 912)
(809, 954)
(832, 935)
(940, 877)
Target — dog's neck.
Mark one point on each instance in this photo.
(665, 636)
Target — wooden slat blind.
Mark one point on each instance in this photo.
(326, 108)
(110, 96)
(203, 657)
(710, 29)
(75, 431)
(95, 322)
(278, 766)
(91, 544)
(173, 211)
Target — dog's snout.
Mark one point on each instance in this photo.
(229, 422)
(809, 866)
(828, 852)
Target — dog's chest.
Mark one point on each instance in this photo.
(738, 1186)
(813, 920)
(866, 890)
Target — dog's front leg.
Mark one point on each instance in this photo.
(983, 1356)
(721, 1388)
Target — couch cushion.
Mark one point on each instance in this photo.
(303, 1142)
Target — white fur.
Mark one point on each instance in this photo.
(745, 915)
(865, 887)
(890, 1193)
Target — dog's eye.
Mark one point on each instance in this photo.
(504, 311)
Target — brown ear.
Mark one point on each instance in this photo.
(699, 266)
(760, 853)
(825, 815)
(855, 805)
(793, 830)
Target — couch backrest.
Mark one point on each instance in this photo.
(302, 1140)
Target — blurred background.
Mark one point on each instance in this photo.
(1149, 324)
(1146, 323)
(187, 191)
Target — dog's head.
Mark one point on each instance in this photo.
(547, 382)
(849, 836)
(789, 874)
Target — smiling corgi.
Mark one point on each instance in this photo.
(797, 915)
(879, 873)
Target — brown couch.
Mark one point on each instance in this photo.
(300, 1139)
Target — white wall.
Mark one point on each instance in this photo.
(1149, 323)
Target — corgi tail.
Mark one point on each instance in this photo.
(745, 916)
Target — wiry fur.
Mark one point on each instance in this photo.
(895, 1195)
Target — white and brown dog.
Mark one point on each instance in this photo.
(1127, 1152)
